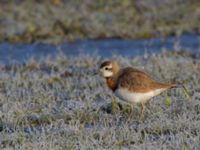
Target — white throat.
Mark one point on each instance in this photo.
(107, 74)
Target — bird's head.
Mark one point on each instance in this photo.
(109, 69)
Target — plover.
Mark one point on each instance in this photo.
(132, 85)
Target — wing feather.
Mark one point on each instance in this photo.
(138, 81)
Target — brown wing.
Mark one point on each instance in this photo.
(138, 81)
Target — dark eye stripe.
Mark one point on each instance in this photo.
(108, 69)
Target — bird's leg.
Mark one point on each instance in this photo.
(131, 112)
(142, 111)
(132, 109)
(147, 103)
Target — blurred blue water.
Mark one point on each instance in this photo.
(12, 53)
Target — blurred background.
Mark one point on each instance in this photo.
(61, 20)
(139, 25)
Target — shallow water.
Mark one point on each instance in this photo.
(12, 53)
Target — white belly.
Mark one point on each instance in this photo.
(134, 97)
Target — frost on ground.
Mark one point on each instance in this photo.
(63, 104)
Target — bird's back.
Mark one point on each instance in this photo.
(138, 81)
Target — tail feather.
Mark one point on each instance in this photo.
(180, 85)
(168, 86)
(174, 85)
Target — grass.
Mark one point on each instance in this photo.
(61, 104)
(58, 21)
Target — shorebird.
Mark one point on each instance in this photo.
(132, 85)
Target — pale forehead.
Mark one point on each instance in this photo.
(106, 64)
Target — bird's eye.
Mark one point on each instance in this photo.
(106, 68)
